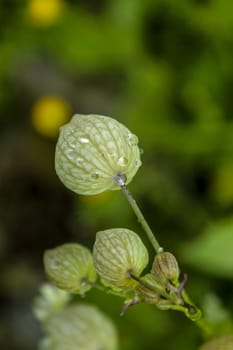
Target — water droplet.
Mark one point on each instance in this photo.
(84, 140)
(95, 175)
(79, 161)
(120, 179)
(122, 161)
(138, 163)
(112, 154)
(54, 264)
(132, 139)
(83, 282)
(72, 141)
(94, 186)
(70, 154)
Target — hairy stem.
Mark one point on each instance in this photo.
(207, 330)
(119, 179)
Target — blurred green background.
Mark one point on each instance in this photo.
(164, 68)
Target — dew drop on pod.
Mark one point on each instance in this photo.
(92, 150)
(224, 342)
(118, 253)
(81, 327)
(70, 267)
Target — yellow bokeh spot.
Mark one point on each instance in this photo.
(44, 12)
(48, 114)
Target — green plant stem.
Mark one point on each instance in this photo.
(119, 179)
(206, 328)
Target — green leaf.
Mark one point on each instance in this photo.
(212, 251)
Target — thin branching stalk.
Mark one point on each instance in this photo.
(120, 181)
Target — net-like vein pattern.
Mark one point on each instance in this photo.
(118, 252)
(92, 150)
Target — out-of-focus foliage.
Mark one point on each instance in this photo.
(164, 69)
(72, 326)
(212, 251)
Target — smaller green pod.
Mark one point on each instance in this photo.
(118, 254)
(165, 268)
(70, 267)
(224, 342)
(82, 327)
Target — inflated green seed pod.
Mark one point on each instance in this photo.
(80, 327)
(224, 342)
(50, 301)
(117, 254)
(92, 150)
(165, 267)
(70, 267)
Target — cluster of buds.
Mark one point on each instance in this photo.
(96, 153)
(163, 288)
(93, 152)
(119, 258)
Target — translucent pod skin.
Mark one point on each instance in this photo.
(92, 150)
(81, 327)
(70, 267)
(118, 253)
(165, 268)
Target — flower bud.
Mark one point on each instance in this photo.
(70, 267)
(118, 253)
(165, 268)
(81, 327)
(92, 150)
(224, 342)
